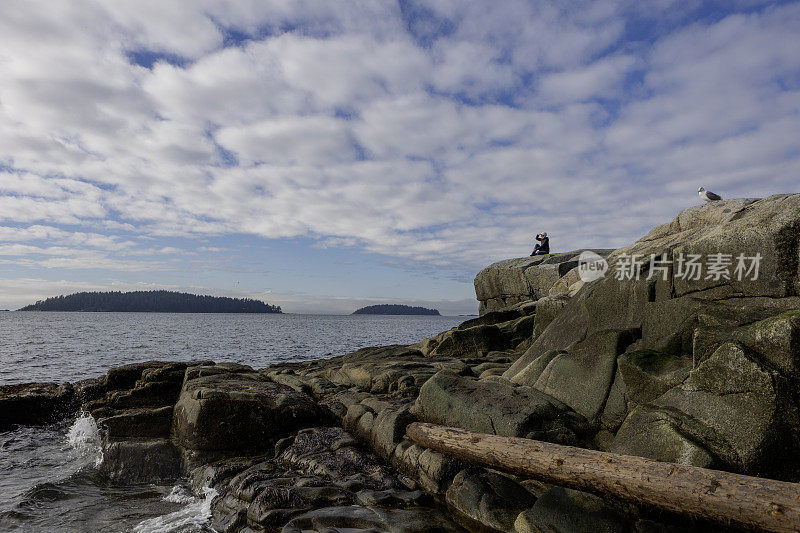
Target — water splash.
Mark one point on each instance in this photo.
(180, 494)
(84, 437)
(192, 518)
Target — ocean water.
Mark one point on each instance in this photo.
(49, 476)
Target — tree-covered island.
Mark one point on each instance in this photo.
(151, 301)
(394, 309)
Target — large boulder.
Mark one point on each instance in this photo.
(775, 339)
(137, 423)
(666, 310)
(662, 312)
(740, 411)
(660, 435)
(497, 406)
(236, 412)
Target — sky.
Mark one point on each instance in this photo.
(325, 155)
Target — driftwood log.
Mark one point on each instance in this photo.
(699, 492)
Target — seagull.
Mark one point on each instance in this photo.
(708, 196)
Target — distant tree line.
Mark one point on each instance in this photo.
(151, 301)
(394, 309)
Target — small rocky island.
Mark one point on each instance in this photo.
(394, 309)
(672, 372)
(151, 302)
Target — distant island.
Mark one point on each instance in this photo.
(152, 302)
(394, 309)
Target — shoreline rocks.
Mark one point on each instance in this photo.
(35, 404)
(705, 374)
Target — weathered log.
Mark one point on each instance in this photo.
(699, 492)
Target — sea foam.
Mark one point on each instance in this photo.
(84, 437)
(193, 517)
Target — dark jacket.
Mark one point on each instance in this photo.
(544, 245)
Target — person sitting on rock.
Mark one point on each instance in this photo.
(543, 246)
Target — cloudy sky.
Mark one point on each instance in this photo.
(323, 155)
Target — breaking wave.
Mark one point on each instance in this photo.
(194, 517)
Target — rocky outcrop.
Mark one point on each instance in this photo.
(35, 403)
(320, 477)
(133, 406)
(223, 412)
(514, 281)
(703, 372)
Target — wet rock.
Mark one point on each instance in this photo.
(138, 423)
(219, 473)
(356, 519)
(151, 384)
(88, 390)
(233, 413)
(272, 508)
(333, 453)
(35, 404)
(141, 461)
(126, 376)
(561, 510)
(320, 468)
(144, 394)
(488, 498)
(390, 499)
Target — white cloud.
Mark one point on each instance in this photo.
(315, 141)
(450, 144)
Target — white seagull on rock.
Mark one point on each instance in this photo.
(708, 196)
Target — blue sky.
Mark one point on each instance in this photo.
(326, 155)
